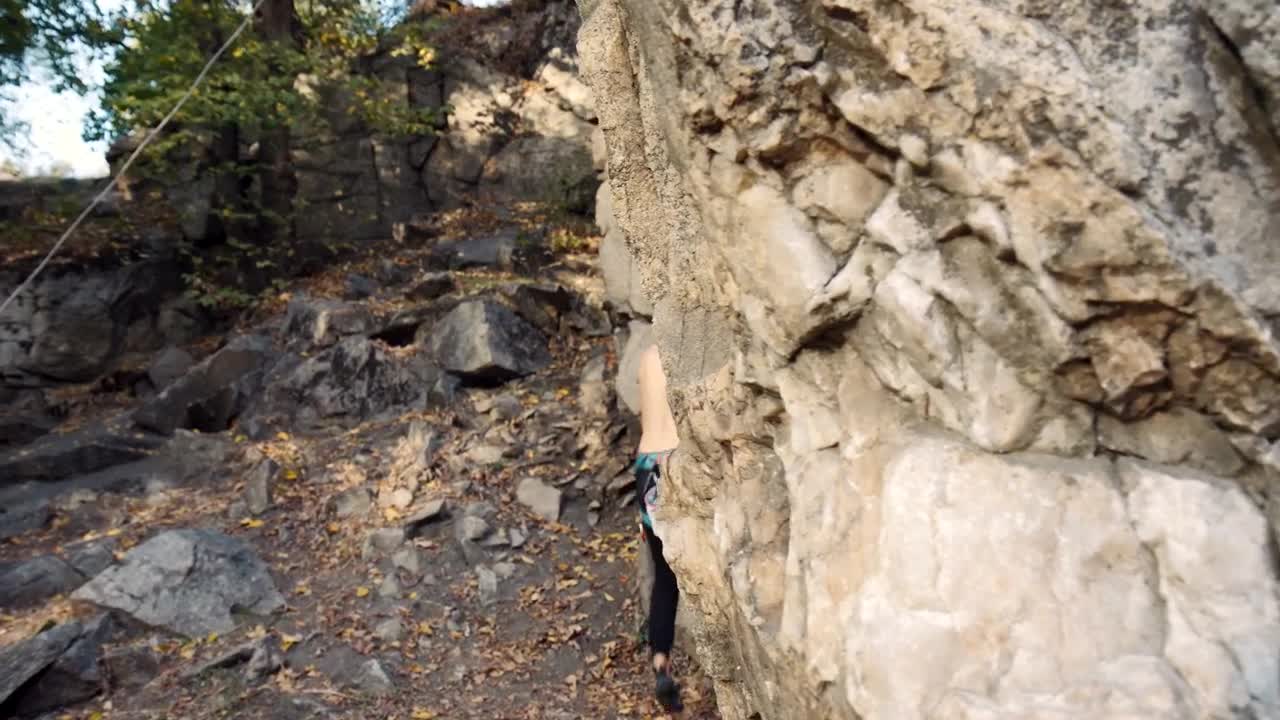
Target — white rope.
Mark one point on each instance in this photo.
(106, 190)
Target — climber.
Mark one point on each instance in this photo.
(658, 441)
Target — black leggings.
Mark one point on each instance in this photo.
(663, 600)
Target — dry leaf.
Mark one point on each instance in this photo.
(362, 591)
(290, 474)
(251, 523)
(423, 714)
(287, 641)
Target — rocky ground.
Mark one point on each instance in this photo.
(397, 491)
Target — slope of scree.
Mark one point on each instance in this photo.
(371, 536)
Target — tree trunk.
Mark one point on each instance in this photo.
(276, 22)
(223, 153)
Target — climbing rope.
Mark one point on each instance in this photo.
(106, 190)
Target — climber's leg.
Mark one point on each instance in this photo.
(663, 603)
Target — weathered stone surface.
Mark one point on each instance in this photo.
(432, 286)
(913, 306)
(91, 449)
(191, 582)
(212, 393)
(484, 341)
(355, 502)
(74, 677)
(324, 322)
(30, 582)
(359, 379)
(259, 487)
(541, 499)
(23, 661)
(169, 365)
(72, 324)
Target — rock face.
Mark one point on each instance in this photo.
(187, 581)
(969, 316)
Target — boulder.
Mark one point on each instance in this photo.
(491, 252)
(541, 499)
(360, 287)
(372, 679)
(483, 341)
(171, 364)
(431, 286)
(94, 448)
(25, 416)
(191, 582)
(24, 517)
(322, 323)
(542, 305)
(23, 661)
(359, 379)
(355, 502)
(74, 677)
(31, 582)
(212, 393)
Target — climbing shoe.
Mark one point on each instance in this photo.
(668, 692)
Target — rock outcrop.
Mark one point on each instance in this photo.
(969, 311)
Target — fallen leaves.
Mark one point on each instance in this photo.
(251, 523)
(362, 591)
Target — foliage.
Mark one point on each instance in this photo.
(313, 86)
(50, 37)
(257, 84)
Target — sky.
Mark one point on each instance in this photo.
(57, 120)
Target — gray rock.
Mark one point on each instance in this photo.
(430, 512)
(360, 287)
(25, 415)
(21, 662)
(187, 581)
(267, 658)
(474, 528)
(497, 539)
(390, 588)
(258, 488)
(593, 392)
(488, 581)
(408, 559)
(495, 251)
(389, 630)
(211, 393)
(131, 666)
(518, 538)
(24, 517)
(372, 679)
(92, 556)
(355, 502)
(34, 581)
(359, 379)
(542, 499)
(171, 364)
(543, 305)
(383, 542)
(322, 323)
(59, 456)
(506, 407)
(504, 570)
(483, 341)
(432, 286)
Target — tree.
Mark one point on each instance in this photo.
(52, 37)
(271, 88)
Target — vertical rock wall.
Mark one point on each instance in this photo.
(970, 313)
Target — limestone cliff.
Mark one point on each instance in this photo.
(970, 311)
